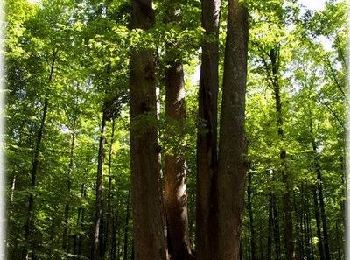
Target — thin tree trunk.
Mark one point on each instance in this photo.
(113, 246)
(232, 147)
(80, 219)
(251, 220)
(321, 200)
(318, 223)
(207, 157)
(111, 234)
(287, 202)
(65, 239)
(270, 230)
(146, 185)
(29, 225)
(126, 229)
(96, 252)
(276, 228)
(308, 231)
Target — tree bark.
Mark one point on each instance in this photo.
(232, 147)
(175, 197)
(207, 157)
(146, 185)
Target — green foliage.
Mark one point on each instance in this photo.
(75, 54)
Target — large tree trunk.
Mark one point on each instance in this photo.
(96, 250)
(175, 196)
(207, 158)
(232, 147)
(146, 185)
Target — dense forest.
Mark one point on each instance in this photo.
(175, 130)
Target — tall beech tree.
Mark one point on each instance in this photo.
(146, 188)
(233, 162)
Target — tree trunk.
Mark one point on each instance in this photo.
(175, 196)
(29, 225)
(207, 158)
(96, 252)
(270, 230)
(65, 239)
(318, 223)
(126, 229)
(276, 227)
(111, 215)
(287, 200)
(146, 185)
(251, 220)
(232, 147)
(320, 197)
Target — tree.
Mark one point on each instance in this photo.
(207, 154)
(232, 146)
(146, 189)
(175, 195)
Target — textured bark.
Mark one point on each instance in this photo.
(96, 249)
(146, 186)
(207, 158)
(175, 197)
(232, 146)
